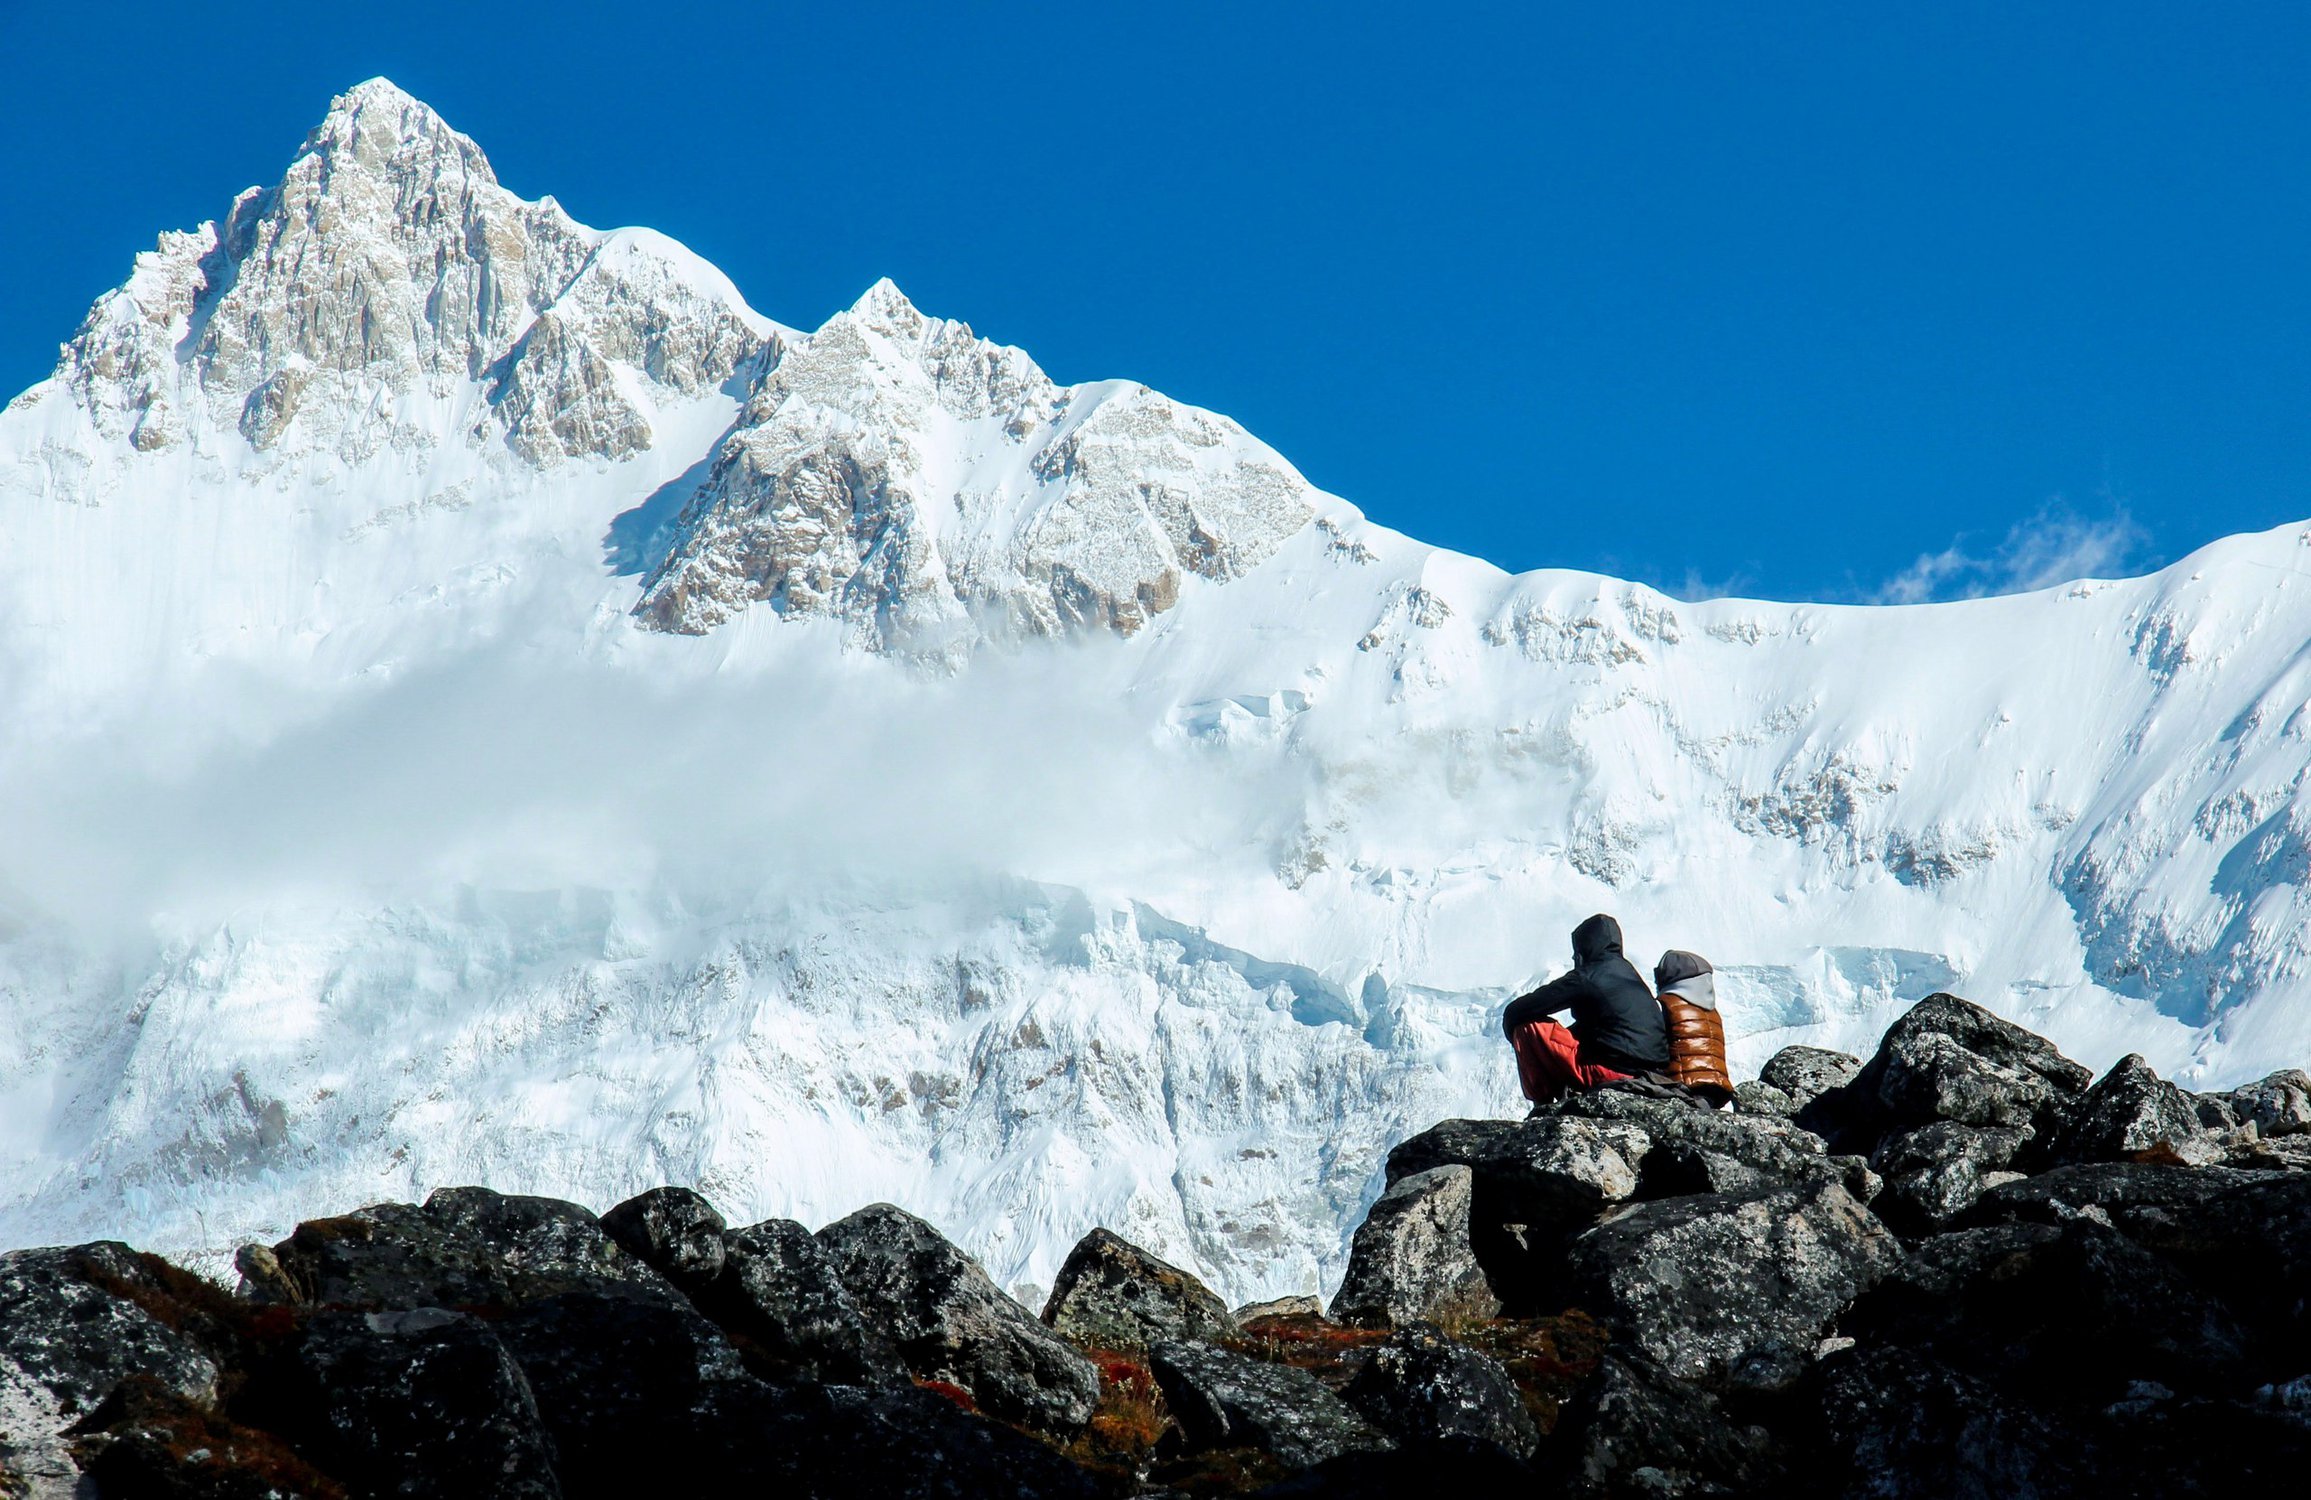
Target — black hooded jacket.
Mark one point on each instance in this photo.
(1615, 1016)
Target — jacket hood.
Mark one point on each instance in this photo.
(1596, 939)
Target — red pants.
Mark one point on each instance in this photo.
(1549, 1062)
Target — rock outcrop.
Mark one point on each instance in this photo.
(1110, 1293)
(950, 1323)
(1632, 1297)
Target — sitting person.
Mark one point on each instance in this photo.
(1617, 1031)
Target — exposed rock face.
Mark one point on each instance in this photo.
(949, 1322)
(1447, 1143)
(467, 1247)
(424, 1403)
(780, 1293)
(1421, 1384)
(1224, 1400)
(388, 269)
(1112, 1294)
(1735, 1290)
(66, 1341)
(674, 1231)
(1636, 1430)
(1412, 1258)
(900, 473)
(2130, 1112)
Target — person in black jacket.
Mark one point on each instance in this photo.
(1617, 1031)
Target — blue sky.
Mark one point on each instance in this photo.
(1836, 301)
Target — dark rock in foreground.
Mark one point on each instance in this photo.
(1225, 1400)
(950, 1323)
(1420, 1384)
(1112, 1294)
(1733, 1291)
(1412, 1258)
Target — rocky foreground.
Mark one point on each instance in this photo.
(1965, 1267)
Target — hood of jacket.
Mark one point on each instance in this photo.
(1596, 940)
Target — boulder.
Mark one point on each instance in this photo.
(1897, 1425)
(1635, 1430)
(785, 1306)
(422, 1403)
(1936, 1172)
(2132, 1113)
(1449, 1143)
(906, 1443)
(1112, 1294)
(1421, 1384)
(1948, 1059)
(2276, 1106)
(68, 1338)
(643, 1395)
(1411, 1258)
(1536, 1188)
(2150, 1202)
(2252, 1240)
(466, 1247)
(2076, 1308)
(1804, 1074)
(1752, 1097)
(1225, 1400)
(145, 1440)
(949, 1322)
(674, 1231)
(1735, 1291)
(1305, 1306)
(1422, 1466)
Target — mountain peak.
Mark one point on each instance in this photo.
(379, 124)
(884, 306)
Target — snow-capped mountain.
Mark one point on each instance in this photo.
(480, 703)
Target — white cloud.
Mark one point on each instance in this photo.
(2054, 546)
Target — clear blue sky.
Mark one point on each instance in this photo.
(1783, 298)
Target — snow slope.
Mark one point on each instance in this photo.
(478, 702)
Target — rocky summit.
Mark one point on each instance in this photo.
(1960, 1267)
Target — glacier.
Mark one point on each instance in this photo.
(480, 703)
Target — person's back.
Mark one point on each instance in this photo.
(1617, 1030)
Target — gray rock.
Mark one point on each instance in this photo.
(2279, 1105)
(1633, 1429)
(950, 1322)
(1536, 1188)
(1412, 1258)
(424, 1403)
(1421, 1384)
(1948, 1059)
(1935, 1173)
(2153, 1203)
(674, 1231)
(1805, 1073)
(1112, 1294)
(1752, 1097)
(1449, 1143)
(2077, 1308)
(780, 1295)
(2132, 1112)
(1281, 1307)
(67, 1339)
(467, 1247)
(1736, 1290)
(2286, 1153)
(1224, 1400)
(1902, 1427)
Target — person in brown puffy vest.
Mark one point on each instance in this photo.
(1688, 989)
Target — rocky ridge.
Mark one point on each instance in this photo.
(1629, 1295)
